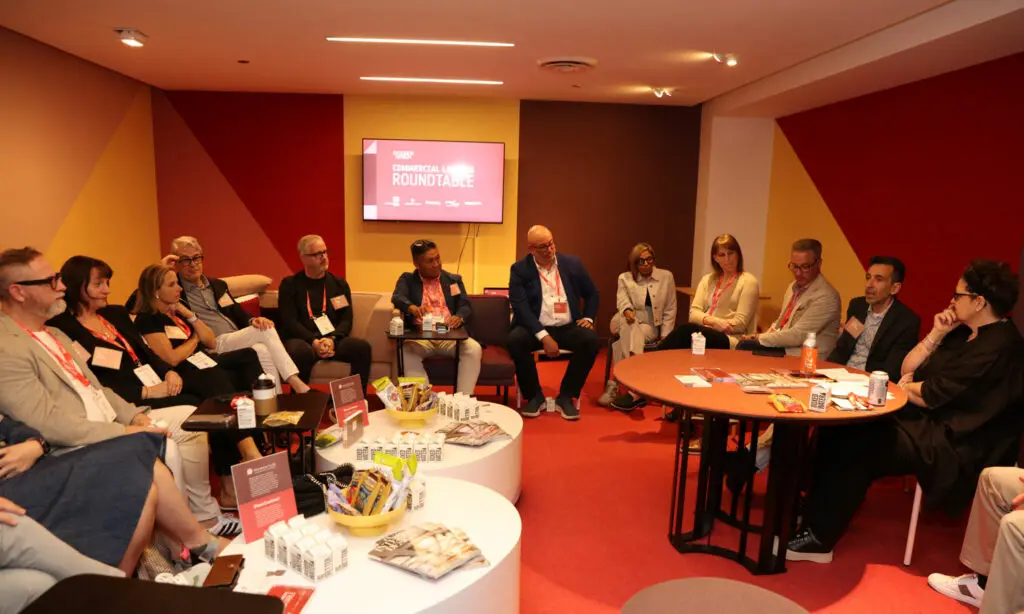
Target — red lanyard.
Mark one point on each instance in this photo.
(177, 321)
(789, 308)
(63, 358)
(323, 309)
(719, 291)
(116, 338)
(557, 286)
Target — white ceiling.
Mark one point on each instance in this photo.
(196, 44)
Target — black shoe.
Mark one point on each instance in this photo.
(627, 402)
(735, 470)
(533, 408)
(804, 546)
(567, 408)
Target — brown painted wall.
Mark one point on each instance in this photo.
(604, 177)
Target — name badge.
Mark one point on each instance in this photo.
(323, 324)
(103, 404)
(201, 361)
(82, 353)
(173, 332)
(854, 327)
(339, 302)
(454, 290)
(226, 300)
(561, 307)
(147, 376)
(107, 358)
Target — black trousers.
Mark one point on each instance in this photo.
(679, 339)
(242, 368)
(353, 350)
(849, 459)
(582, 342)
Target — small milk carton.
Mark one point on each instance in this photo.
(296, 522)
(246, 410)
(417, 496)
(339, 552)
(391, 447)
(435, 449)
(323, 536)
(274, 533)
(821, 396)
(421, 450)
(697, 344)
(318, 563)
(295, 552)
(476, 408)
(363, 451)
(284, 546)
(405, 449)
(376, 446)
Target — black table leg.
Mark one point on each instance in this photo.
(401, 356)
(455, 377)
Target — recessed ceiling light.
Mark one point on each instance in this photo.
(417, 41)
(729, 59)
(423, 80)
(131, 37)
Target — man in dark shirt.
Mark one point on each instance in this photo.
(315, 308)
(965, 385)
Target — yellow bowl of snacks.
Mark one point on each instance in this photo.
(368, 526)
(412, 419)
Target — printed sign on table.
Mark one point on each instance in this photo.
(264, 491)
(347, 394)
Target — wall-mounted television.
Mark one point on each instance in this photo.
(433, 181)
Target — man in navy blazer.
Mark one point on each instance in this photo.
(431, 288)
(546, 290)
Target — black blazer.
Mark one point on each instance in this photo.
(122, 380)
(409, 291)
(526, 294)
(295, 322)
(235, 312)
(896, 336)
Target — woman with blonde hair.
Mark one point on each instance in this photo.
(724, 305)
(645, 312)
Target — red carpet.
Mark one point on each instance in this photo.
(595, 507)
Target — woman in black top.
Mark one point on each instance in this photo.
(965, 384)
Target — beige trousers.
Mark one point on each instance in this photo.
(632, 337)
(188, 458)
(994, 542)
(470, 354)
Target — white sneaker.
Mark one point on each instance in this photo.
(962, 588)
(611, 390)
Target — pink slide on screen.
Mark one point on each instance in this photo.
(433, 181)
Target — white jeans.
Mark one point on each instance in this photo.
(273, 357)
(188, 458)
(632, 337)
(470, 353)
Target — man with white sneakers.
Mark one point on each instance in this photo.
(993, 546)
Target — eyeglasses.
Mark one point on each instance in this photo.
(194, 261)
(52, 281)
(957, 295)
(543, 247)
(802, 267)
(647, 260)
(318, 255)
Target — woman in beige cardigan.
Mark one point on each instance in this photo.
(724, 306)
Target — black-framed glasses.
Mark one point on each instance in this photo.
(957, 295)
(803, 267)
(647, 260)
(195, 260)
(319, 254)
(52, 281)
(543, 246)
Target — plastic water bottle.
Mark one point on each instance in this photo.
(397, 327)
(809, 355)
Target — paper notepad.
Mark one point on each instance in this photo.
(842, 375)
(692, 381)
(843, 389)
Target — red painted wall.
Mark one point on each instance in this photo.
(931, 172)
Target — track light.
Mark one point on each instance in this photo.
(729, 59)
(131, 37)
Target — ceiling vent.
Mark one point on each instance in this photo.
(567, 65)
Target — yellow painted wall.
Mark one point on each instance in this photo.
(114, 217)
(796, 210)
(376, 253)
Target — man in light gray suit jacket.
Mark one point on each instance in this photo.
(46, 383)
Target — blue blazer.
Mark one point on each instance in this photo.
(409, 291)
(526, 295)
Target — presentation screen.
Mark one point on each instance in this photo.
(433, 181)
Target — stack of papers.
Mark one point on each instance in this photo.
(842, 375)
(693, 381)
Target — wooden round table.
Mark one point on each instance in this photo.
(653, 376)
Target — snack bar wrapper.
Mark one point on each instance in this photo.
(388, 393)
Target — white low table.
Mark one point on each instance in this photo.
(370, 587)
(497, 465)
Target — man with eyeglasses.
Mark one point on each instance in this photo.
(432, 289)
(810, 305)
(235, 329)
(315, 310)
(546, 289)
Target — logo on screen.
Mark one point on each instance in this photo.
(402, 155)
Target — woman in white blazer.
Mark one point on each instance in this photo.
(645, 312)
(724, 305)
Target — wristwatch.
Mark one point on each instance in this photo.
(193, 319)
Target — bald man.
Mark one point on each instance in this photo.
(546, 289)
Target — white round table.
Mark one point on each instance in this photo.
(371, 587)
(497, 465)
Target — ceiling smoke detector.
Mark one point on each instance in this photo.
(567, 65)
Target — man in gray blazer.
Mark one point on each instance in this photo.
(46, 383)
